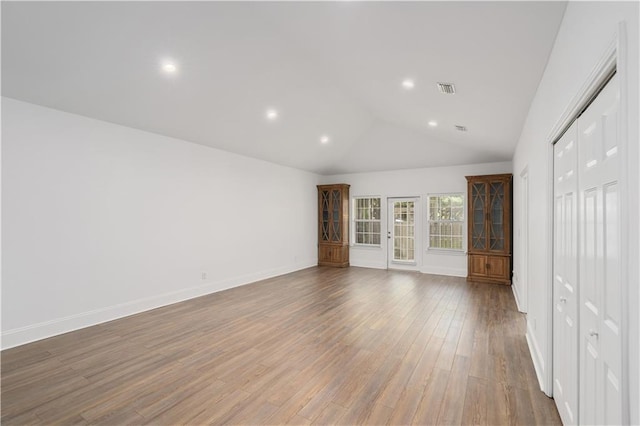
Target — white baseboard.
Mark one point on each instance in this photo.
(536, 356)
(444, 270)
(372, 265)
(20, 336)
(516, 295)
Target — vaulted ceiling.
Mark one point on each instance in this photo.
(327, 68)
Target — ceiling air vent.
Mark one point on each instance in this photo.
(447, 88)
(461, 128)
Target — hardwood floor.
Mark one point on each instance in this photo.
(319, 346)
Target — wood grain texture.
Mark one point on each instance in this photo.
(489, 230)
(333, 225)
(318, 346)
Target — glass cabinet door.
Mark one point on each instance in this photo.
(324, 220)
(336, 232)
(496, 203)
(478, 215)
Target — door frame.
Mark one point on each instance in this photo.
(522, 298)
(614, 59)
(416, 264)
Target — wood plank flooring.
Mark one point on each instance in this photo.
(318, 346)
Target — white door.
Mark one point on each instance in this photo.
(565, 276)
(403, 246)
(600, 287)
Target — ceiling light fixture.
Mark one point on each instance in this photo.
(169, 67)
(408, 84)
(433, 123)
(271, 114)
(446, 88)
(324, 139)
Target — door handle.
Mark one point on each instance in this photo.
(563, 300)
(593, 333)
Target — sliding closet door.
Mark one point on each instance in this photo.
(565, 276)
(600, 287)
(587, 321)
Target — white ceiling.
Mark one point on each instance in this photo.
(328, 67)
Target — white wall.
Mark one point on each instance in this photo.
(101, 221)
(413, 182)
(586, 31)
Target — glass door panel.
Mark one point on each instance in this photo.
(496, 233)
(336, 232)
(324, 225)
(478, 231)
(404, 231)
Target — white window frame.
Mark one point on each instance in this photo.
(356, 220)
(463, 222)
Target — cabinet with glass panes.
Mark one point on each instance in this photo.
(489, 228)
(333, 225)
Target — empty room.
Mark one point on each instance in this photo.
(329, 213)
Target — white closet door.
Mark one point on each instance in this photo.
(565, 277)
(599, 227)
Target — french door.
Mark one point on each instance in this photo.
(403, 246)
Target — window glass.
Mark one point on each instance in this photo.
(446, 221)
(367, 221)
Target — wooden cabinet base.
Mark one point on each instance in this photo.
(334, 265)
(489, 269)
(486, 280)
(333, 255)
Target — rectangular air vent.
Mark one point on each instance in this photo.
(461, 128)
(447, 88)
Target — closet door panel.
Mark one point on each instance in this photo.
(565, 282)
(601, 378)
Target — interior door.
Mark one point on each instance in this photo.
(600, 287)
(565, 276)
(403, 247)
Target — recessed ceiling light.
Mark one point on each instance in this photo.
(324, 139)
(271, 114)
(408, 84)
(433, 123)
(169, 67)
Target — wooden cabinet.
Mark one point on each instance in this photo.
(489, 228)
(333, 225)
(489, 267)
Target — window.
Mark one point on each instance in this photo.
(446, 221)
(367, 221)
